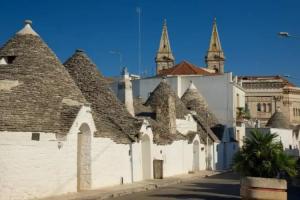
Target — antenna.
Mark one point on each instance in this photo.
(139, 11)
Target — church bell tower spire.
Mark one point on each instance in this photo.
(164, 58)
(215, 56)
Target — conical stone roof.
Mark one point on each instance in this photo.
(163, 90)
(111, 117)
(278, 120)
(161, 93)
(161, 133)
(36, 92)
(193, 100)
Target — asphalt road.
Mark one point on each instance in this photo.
(224, 186)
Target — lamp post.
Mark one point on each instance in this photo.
(120, 58)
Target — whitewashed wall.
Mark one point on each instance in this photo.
(178, 157)
(31, 169)
(289, 141)
(110, 163)
(35, 169)
(186, 125)
(211, 87)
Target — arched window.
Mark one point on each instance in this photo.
(264, 107)
(258, 107)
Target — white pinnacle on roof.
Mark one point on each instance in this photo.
(27, 30)
(192, 86)
(3, 61)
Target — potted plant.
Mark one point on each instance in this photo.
(262, 163)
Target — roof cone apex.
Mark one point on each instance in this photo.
(192, 86)
(27, 30)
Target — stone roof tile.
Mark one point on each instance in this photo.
(278, 120)
(33, 85)
(111, 117)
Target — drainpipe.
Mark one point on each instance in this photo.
(131, 160)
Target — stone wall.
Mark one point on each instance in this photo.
(31, 168)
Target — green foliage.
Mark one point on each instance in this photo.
(263, 156)
(243, 113)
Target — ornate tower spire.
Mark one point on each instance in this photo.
(215, 56)
(164, 58)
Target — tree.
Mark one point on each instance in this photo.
(262, 155)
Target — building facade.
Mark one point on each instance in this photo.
(265, 94)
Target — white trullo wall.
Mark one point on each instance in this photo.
(35, 169)
(290, 142)
(31, 169)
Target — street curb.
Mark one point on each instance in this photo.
(94, 195)
(161, 185)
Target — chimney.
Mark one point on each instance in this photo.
(166, 113)
(125, 91)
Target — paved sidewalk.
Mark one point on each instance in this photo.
(141, 186)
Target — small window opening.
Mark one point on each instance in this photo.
(35, 136)
(258, 107)
(290, 146)
(10, 59)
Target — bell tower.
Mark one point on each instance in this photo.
(215, 58)
(164, 58)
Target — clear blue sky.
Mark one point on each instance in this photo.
(248, 31)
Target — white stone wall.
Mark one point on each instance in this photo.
(186, 125)
(289, 141)
(211, 87)
(110, 163)
(35, 169)
(31, 169)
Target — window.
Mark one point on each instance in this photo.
(10, 59)
(290, 146)
(35, 136)
(7, 60)
(216, 69)
(237, 100)
(258, 107)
